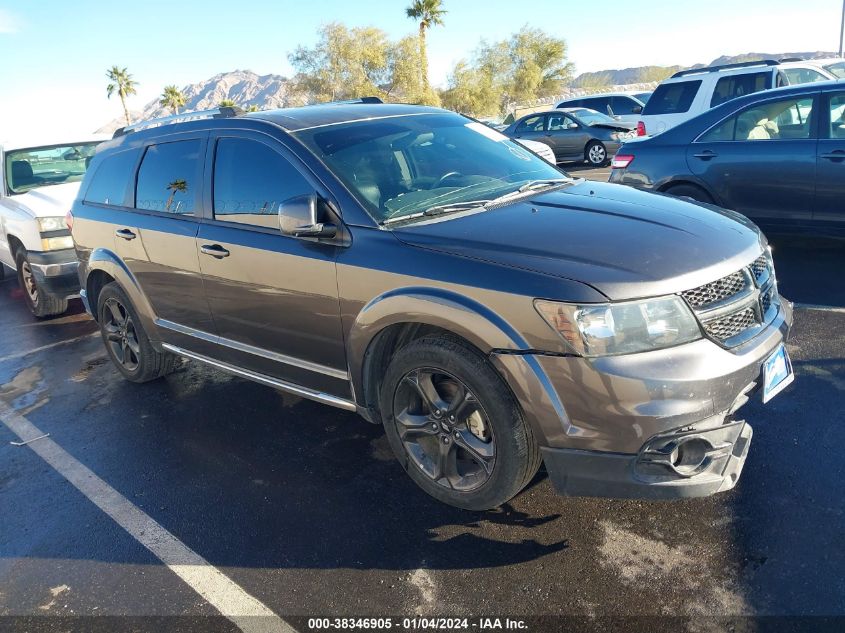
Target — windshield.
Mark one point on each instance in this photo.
(837, 69)
(401, 166)
(643, 96)
(50, 165)
(591, 116)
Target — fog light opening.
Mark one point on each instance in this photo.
(689, 456)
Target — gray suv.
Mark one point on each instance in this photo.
(426, 272)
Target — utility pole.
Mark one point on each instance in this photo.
(842, 30)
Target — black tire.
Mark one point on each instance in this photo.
(689, 191)
(126, 342)
(595, 153)
(39, 302)
(515, 453)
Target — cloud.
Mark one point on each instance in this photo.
(9, 23)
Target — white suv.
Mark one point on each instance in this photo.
(690, 92)
(38, 185)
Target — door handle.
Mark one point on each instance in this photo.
(125, 234)
(215, 250)
(836, 154)
(706, 154)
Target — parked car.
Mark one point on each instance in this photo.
(37, 187)
(541, 149)
(803, 71)
(570, 138)
(591, 117)
(423, 270)
(688, 93)
(622, 106)
(776, 156)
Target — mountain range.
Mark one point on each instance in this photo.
(247, 88)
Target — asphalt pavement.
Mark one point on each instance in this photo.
(301, 508)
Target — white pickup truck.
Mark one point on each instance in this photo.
(38, 185)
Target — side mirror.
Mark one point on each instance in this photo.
(637, 110)
(299, 217)
(572, 126)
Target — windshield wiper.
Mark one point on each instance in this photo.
(534, 185)
(439, 209)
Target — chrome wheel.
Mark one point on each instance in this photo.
(444, 429)
(597, 154)
(29, 283)
(121, 337)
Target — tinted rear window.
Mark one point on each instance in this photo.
(734, 86)
(673, 98)
(168, 178)
(111, 180)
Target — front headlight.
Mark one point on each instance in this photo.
(56, 243)
(621, 328)
(45, 225)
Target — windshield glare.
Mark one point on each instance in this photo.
(837, 69)
(402, 166)
(51, 165)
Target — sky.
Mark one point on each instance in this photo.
(55, 52)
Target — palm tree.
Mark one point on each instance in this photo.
(428, 13)
(123, 84)
(180, 186)
(172, 98)
(226, 103)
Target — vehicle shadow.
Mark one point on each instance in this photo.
(253, 477)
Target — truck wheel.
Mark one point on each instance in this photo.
(595, 154)
(454, 425)
(37, 300)
(126, 342)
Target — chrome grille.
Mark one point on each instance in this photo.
(716, 291)
(760, 267)
(736, 307)
(729, 326)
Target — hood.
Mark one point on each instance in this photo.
(623, 242)
(55, 200)
(621, 126)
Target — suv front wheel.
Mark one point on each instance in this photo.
(126, 341)
(454, 426)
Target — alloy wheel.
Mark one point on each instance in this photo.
(597, 154)
(121, 335)
(444, 429)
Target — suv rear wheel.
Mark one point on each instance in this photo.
(126, 342)
(39, 302)
(454, 426)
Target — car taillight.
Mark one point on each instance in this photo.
(69, 220)
(621, 161)
(641, 128)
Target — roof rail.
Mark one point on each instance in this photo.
(361, 100)
(715, 69)
(223, 112)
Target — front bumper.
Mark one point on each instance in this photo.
(55, 272)
(608, 426)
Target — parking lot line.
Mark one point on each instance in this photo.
(232, 601)
(45, 347)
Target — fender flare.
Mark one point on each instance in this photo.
(108, 262)
(438, 307)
